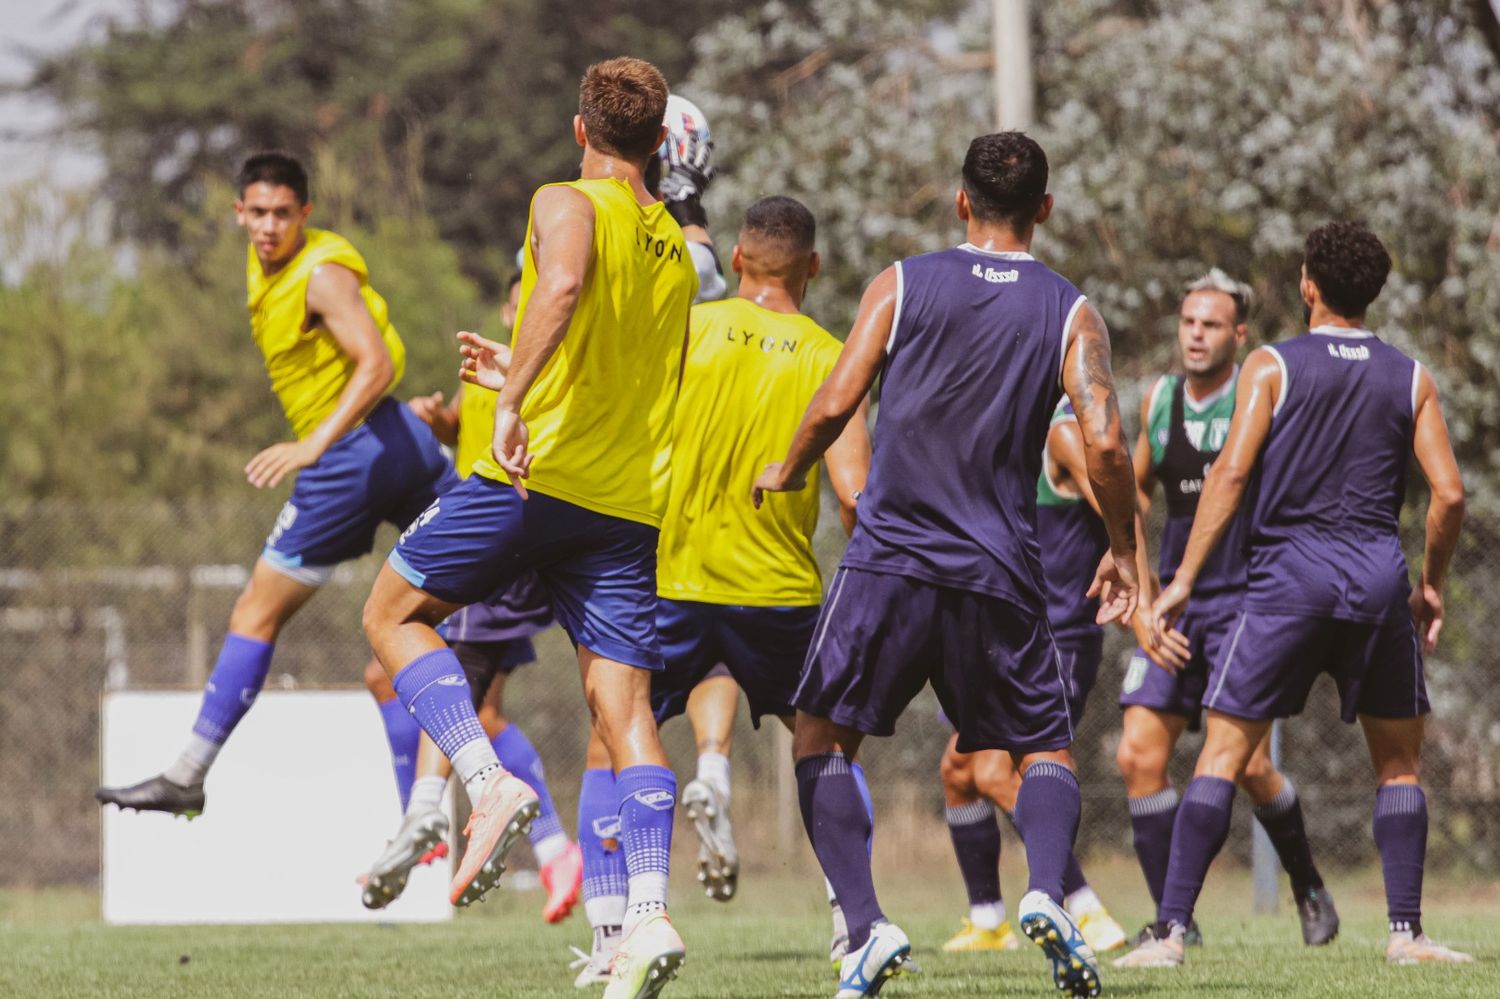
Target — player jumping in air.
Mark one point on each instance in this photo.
(942, 578)
(1323, 427)
(360, 457)
(1072, 540)
(575, 490)
(1184, 422)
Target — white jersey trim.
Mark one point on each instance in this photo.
(890, 341)
(1416, 382)
(1067, 336)
(998, 254)
(1286, 381)
(1199, 405)
(1343, 331)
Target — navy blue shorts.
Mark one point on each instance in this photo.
(483, 661)
(516, 612)
(598, 571)
(1209, 630)
(387, 469)
(763, 647)
(1080, 655)
(994, 666)
(1273, 660)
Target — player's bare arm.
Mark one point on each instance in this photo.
(563, 231)
(335, 303)
(1445, 509)
(1224, 486)
(848, 463)
(842, 394)
(1090, 385)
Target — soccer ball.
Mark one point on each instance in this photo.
(683, 118)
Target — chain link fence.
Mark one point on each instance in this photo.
(101, 595)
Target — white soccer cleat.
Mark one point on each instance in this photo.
(865, 971)
(594, 966)
(504, 812)
(1405, 948)
(418, 834)
(1160, 947)
(647, 959)
(718, 860)
(1074, 967)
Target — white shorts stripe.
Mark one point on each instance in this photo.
(833, 602)
(1228, 661)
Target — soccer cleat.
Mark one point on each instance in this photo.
(563, 879)
(864, 972)
(1191, 937)
(417, 837)
(648, 957)
(156, 794)
(594, 966)
(504, 813)
(718, 860)
(437, 853)
(973, 938)
(1101, 931)
(1045, 923)
(1406, 948)
(1320, 920)
(1164, 947)
(838, 946)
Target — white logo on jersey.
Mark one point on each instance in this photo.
(421, 521)
(1344, 352)
(996, 277)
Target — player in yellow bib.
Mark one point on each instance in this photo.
(575, 489)
(359, 457)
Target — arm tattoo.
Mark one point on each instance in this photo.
(1094, 369)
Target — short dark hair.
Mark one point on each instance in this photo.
(623, 102)
(275, 168)
(1005, 177)
(783, 220)
(1349, 265)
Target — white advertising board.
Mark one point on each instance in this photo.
(300, 802)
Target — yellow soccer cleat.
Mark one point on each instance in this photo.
(1101, 932)
(972, 938)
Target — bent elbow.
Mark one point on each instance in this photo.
(1450, 499)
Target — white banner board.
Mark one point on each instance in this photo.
(300, 802)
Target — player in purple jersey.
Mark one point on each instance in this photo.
(1324, 425)
(1072, 540)
(1184, 421)
(942, 580)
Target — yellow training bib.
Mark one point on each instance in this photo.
(750, 374)
(476, 426)
(308, 368)
(600, 412)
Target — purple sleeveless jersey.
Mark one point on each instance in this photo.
(1331, 479)
(967, 394)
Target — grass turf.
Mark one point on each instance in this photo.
(768, 942)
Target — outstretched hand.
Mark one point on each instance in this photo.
(1116, 587)
(1168, 608)
(774, 480)
(486, 362)
(269, 467)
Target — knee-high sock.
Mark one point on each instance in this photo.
(1047, 809)
(1281, 818)
(863, 786)
(403, 733)
(519, 756)
(604, 880)
(839, 828)
(232, 687)
(976, 843)
(1197, 837)
(435, 691)
(647, 796)
(1151, 820)
(1401, 837)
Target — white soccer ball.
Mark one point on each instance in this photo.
(683, 118)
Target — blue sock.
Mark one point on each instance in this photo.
(435, 691)
(1047, 808)
(238, 675)
(647, 795)
(976, 844)
(604, 881)
(1401, 837)
(838, 824)
(403, 733)
(864, 795)
(1151, 819)
(1198, 835)
(517, 755)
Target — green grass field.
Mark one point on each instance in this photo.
(768, 942)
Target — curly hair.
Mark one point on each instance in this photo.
(1349, 265)
(1005, 177)
(622, 102)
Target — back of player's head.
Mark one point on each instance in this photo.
(1005, 177)
(1349, 265)
(1239, 292)
(777, 237)
(275, 168)
(622, 102)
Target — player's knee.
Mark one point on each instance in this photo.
(1141, 760)
(1259, 773)
(376, 681)
(997, 779)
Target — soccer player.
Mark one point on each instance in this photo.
(1072, 539)
(1324, 425)
(1184, 421)
(491, 639)
(941, 581)
(360, 457)
(574, 489)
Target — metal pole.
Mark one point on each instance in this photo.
(1015, 92)
(1265, 867)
